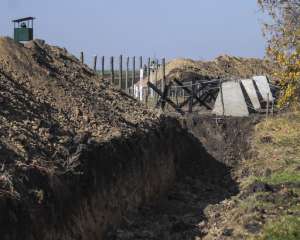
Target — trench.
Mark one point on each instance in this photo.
(154, 184)
(204, 178)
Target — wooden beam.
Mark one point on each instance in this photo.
(166, 99)
(192, 94)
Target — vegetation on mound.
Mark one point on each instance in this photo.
(286, 228)
(268, 206)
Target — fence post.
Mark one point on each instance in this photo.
(120, 71)
(126, 77)
(268, 105)
(156, 78)
(222, 97)
(192, 96)
(102, 66)
(95, 63)
(148, 80)
(133, 75)
(141, 62)
(112, 70)
(163, 83)
(82, 57)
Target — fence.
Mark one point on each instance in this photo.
(148, 84)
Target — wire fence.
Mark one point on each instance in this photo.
(135, 76)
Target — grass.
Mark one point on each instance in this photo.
(282, 177)
(286, 228)
(281, 156)
(282, 150)
(276, 162)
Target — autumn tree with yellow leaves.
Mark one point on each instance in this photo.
(283, 34)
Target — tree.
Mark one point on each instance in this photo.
(283, 35)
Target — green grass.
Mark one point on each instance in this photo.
(280, 157)
(286, 228)
(282, 177)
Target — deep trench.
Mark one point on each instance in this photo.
(204, 178)
(153, 185)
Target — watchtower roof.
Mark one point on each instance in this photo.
(23, 19)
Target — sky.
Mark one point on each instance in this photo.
(197, 29)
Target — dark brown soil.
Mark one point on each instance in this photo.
(68, 140)
(204, 180)
(50, 104)
(222, 67)
(53, 112)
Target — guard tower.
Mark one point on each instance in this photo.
(23, 29)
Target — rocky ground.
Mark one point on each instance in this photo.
(50, 106)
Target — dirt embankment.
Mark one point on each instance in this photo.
(78, 157)
(227, 140)
(75, 153)
(222, 67)
(205, 180)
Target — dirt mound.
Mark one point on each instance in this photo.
(222, 67)
(50, 104)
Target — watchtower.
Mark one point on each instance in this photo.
(23, 29)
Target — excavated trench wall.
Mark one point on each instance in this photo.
(113, 177)
(123, 174)
(226, 140)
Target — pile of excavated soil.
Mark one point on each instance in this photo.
(222, 67)
(50, 106)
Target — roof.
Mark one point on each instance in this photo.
(23, 19)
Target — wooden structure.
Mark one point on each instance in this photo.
(181, 96)
(199, 93)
